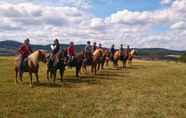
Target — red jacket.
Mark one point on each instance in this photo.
(71, 51)
(24, 50)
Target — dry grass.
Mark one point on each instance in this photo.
(146, 90)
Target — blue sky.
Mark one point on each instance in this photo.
(104, 8)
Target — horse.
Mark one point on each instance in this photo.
(118, 56)
(31, 65)
(93, 60)
(131, 56)
(76, 62)
(103, 59)
(54, 64)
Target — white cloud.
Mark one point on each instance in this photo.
(166, 2)
(179, 25)
(69, 21)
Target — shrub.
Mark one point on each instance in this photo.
(183, 58)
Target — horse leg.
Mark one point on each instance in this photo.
(102, 65)
(95, 69)
(61, 74)
(37, 78)
(98, 66)
(85, 68)
(21, 76)
(77, 70)
(16, 81)
(125, 65)
(92, 68)
(47, 75)
(54, 74)
(30, 73)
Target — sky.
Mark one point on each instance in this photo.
(138, 23)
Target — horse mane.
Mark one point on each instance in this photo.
(132, 52)
(97, 51)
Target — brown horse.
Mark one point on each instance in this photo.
(94, 60)
(76, 62)
(118, 56)
(103, 59)
(31, 65)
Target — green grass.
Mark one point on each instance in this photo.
(146, 90)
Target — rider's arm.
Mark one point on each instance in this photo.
(30, 49)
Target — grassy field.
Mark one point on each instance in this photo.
(145, 90)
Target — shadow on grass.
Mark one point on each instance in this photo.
(74, 81)
(87, 79)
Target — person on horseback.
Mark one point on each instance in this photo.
(55, 47)
(24, 51)
(71, 52)
(112, 51)
(127, 51)
(121, 50)
(100, 46)
(94, 46)
(88, 52)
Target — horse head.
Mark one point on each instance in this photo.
(43, 55)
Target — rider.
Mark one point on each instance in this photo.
(71, 51)
(55, 49)
(24, 50)
(88, 51)
(112, 51)
(100, 46)
(121, 52)
(94, 46)
(127, 51)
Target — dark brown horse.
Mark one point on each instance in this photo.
(76, 62)
(56, 63)
(31, 65)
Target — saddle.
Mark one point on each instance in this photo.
(56, 62)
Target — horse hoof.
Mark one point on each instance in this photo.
(16, 82)
(31, 86)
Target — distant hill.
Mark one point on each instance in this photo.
(9, 48)
(158, 52)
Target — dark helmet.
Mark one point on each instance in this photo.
(56, 41)
(88, 42)
(95, 43)
(71, 43)
(121, 45)
(27, 40)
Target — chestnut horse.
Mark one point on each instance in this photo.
(94, 60)
(31, 65)
(103, 59)
(118, 56)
